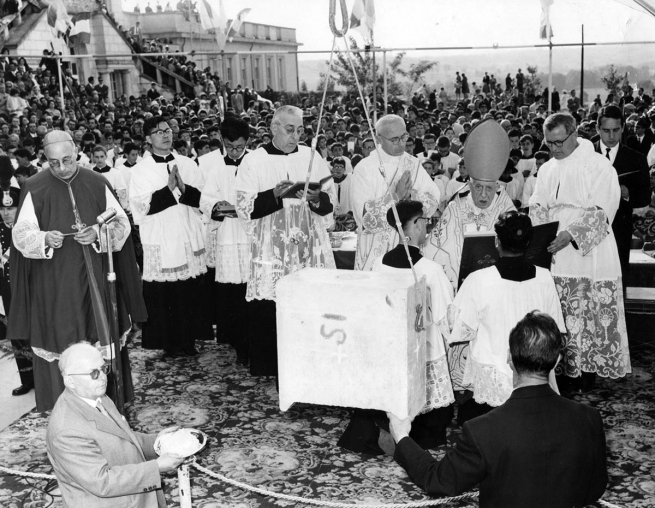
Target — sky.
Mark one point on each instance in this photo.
(441, 23)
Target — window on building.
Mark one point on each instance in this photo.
(257, 76)
(269, 71)
(229, 69)
(281, 74)
(244, 71)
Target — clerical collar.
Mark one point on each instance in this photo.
(159, 159)
(129, 165)
(271, 149)
(462, 179)
(397, 257)
(516, 269)
(104, 169)
(229, 161)
(339, 180)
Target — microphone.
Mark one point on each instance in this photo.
(106, 217)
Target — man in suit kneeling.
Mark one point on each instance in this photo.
(536, 450)
(98, 460)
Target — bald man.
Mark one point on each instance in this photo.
(286, 234)
(57, 266)
(97, 459)
(385, 176)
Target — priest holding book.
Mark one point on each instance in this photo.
(286, 233)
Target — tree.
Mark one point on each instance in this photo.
(532, 81)
(303, 86)
(416, 72)
(612, 80)
(342, 72)
(321, 83)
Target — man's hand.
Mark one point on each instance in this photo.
(404, 185)
(399, 428)
(178, 179)
(54, 239)
(167, 463)
(563, 239)
(281, 187)
(86, 236)
(172, 178)
(313, 196)
(625, 193)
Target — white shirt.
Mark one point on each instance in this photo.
(613, 151)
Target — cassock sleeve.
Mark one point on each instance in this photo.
(28, 237)
(460, 470)
(160, 200)
(251, 203)
(324, 205)
(191, 196)
(265, 204)
(119, 228)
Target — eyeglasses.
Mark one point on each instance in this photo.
(237, 148)
(95, 373)
(291, 130)
(66, 161)
(396, 140)
(161, 132)
(558, 143)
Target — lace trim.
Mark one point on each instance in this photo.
(539, 215)
(439, 390)
(244, 208)
(595, 320)
(152, 266)
(30, 240)
(489, 385)
(589, 230)
(118, 232)
(106, 351)
(233, 264)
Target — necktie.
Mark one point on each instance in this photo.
(608, 153)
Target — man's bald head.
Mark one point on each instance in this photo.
(57, 136)
(76, 354)
(388, 123)
(391, 134)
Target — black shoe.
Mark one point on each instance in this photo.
(170, 354)
(21, 390)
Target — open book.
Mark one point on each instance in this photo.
(290, 192)
(224, 211)
(479, 249)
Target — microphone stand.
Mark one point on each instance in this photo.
(115, 346)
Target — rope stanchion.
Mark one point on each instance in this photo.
(333, 504)
(296, 499)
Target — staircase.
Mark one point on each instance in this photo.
(15, 27)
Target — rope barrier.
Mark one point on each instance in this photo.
(317, 502)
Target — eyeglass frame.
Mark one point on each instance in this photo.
(397, 140)
(105, 369)
(161, 132)
(559, 143)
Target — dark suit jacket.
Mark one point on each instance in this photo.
(100, 463)
(646, 142)
(536, 450)
(634, 166)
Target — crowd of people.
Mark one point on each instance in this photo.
(207, 223)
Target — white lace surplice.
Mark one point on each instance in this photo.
(582, 192)
(484, 311)
(291, 238)
(173, 243)
(228, 245)
(439, 390)
(370, 202)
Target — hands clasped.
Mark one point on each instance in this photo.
(175, 180)
(55, 239)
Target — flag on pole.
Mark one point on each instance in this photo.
(236, 23)
(58, 18)
(362, 17)
(213, 17)
(545, 29)
(81, 30)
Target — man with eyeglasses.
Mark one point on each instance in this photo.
(385, 176)
(228, 245)
(164, 199)
(58, 262)
(97, 459)
(287, 233)
(580, 189)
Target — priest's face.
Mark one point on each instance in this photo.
(392, 137)
(482, 193)
(161, 138)
(559, 136)
(610, 130)
(287, 129)
(62, 158)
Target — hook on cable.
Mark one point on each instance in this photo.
(344, 18)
